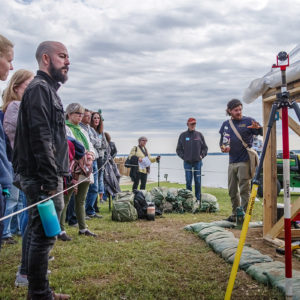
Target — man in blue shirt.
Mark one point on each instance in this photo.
(239, 177)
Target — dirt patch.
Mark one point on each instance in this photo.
(255, 240)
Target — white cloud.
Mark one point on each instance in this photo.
(149, 65)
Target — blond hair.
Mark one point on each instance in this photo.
(16, 80)
(5, 44)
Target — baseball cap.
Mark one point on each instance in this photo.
(191, 120)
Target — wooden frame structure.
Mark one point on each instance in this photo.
(273, 229)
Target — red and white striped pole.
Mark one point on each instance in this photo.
(287, 198)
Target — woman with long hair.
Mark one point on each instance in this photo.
(11, 103)
(97, 125)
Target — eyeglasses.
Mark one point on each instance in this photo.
(78, 113)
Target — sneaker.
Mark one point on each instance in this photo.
(21, 280)
(9, 240)
(64, 237)
(87, 217)
(231, 219)
(88, 233)
(95, 216)
(50, 258)
(73, 225)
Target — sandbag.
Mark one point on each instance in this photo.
(209, 230)
(222, 244)
(277, 279)
(249, 257)
(219, 235)
(223, 223)
(197, 227)
(259, 271)
(209, 203)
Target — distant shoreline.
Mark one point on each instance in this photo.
(211, 153)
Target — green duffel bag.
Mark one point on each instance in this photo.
(123, 211)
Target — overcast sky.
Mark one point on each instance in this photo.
(152, 64)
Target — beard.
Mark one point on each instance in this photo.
(57, 74)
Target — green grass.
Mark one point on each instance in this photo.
(139, 260)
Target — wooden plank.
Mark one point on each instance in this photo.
(292, 124)
(295, 234)
(272, 98)
(273, 242)
(278, 227)
(269, 174)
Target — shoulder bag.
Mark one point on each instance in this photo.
(253, 157)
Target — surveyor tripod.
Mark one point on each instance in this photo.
(282, 102)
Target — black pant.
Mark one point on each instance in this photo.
(143, 178)
(38, 244)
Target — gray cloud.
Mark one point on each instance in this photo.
(150, 67)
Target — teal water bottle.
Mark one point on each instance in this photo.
(49, 218)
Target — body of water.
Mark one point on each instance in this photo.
(214, 170)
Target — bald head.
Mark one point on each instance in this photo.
(53, 58)
(47, 47)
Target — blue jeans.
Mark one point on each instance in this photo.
(100, 183)
(195, 168)
(92, 194)
(11, 205)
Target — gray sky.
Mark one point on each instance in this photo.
(150, 65)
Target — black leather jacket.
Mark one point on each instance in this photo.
(191, 146)
(41, 148)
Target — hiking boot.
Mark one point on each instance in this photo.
(231, 219)
(95, 216)
(9, 240)
(64, 237)
(88, 233)
(21, 280)
(55, 296)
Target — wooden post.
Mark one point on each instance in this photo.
(269, 174)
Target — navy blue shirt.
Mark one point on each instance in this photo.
(238, 152)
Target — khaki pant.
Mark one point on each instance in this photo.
(239, 184)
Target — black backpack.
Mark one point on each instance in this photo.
(140, 205)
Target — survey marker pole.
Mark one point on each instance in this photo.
(282, 102)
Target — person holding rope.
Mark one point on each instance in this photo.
(239, 177)
(191, 148)
(6, 57)
(144, 162)
(41, 158)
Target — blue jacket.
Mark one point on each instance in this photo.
(5, 165)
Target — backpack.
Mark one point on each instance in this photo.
(123, 209)
(140, 205)
(132, 161)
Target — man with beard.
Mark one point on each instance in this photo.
(41, 159)
(239, 177)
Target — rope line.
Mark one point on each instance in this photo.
(52, 196)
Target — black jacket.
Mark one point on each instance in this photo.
(191, 146)
(41, 148)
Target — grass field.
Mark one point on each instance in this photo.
(139, 260)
